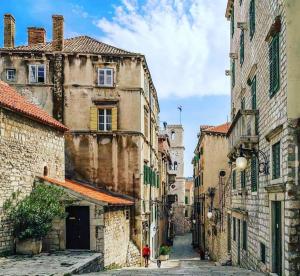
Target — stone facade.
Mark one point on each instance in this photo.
(268, 208)
(176, 133)
(114, 158)
(27, 147)
(211, 174)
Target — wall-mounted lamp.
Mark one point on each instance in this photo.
(242, 162)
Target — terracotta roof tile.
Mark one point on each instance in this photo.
(79, 44)
(218, 129)
(90, 192)
(12, 100)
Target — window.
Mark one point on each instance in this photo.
(10, 74)
(276, 160)
(243, 104)
(37, 73)
(232, 22)
(242, 47)
(105, 77)
(186, 201)
(233, 73)
(46, 171)
(245, 235)
(253, 93)
(186, 213)
(234, 180)
(173, 135)
(262, 252)
(175, 166)
(241, 2)
(234, 228)
(104, 119)
(127, 214)
(254, 173)
(274, 65)
(252, 18)
(243, 179)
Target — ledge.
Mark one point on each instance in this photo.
(275, 188)
(274, 132)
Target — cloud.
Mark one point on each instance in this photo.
(185, 42)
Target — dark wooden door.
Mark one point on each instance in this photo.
(277, 238)
(228, 234)
(78, 227)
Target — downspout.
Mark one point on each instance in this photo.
(150, 192)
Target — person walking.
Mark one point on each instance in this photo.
(146, 254)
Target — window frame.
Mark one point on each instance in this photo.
(252, 19)
(274, 65)
(105, 70)
(242, 47)
(7, 74)
(36, 77)
(105, 119)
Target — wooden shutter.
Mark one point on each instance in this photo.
(234, 180)
(232, 22)
(254, 174)
(233, 74)
(274, 65)
(276, 160)
(243, 179)
(93, 118)
(252, 18)
(242, 47)
(114, 119)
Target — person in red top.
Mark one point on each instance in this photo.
(146, 254)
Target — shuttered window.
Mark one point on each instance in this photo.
(234, 180)
(252, 18)
(232, 22)
(243, 103)
(276, 160)
(233, 74)
(274, 65)
(245, 235)
(254, 174)
(103, 119)
(253, 102)
(243, 179)
(234, 228)
(242, 47)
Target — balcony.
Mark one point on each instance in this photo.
(243, 131)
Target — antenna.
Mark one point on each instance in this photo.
(180, 110)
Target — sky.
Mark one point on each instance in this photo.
(186, 44)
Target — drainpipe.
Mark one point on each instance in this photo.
(150, 192)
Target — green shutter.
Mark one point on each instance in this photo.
(232, 22)
(145, 174)
(243, 179)
(233, 73)
(254, 174)
(245, 235)
(234, 228)
(234, 180)
(242, 47)
(252, 18)
(276, 161)
(274, 65)
(186, 200)
(254, 103)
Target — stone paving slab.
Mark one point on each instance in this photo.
(58, 263)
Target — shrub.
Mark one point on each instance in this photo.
(33, 215)
(164, 250)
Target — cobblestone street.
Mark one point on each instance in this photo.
(183, 261)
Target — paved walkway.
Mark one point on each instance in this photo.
(183, 261)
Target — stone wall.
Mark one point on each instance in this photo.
(26, 147)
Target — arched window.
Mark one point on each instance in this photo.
(172, 135)
(175, 166)
(170, 166)
(45, 171)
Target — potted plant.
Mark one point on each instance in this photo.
(32, 216)
(164, 252)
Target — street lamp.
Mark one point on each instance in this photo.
(241, 163)
(209, 215)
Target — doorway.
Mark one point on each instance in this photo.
(239, 241)
(78, 227)
(277, 237)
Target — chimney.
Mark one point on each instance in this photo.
(58, 33)
(36, 35)
(9, 31)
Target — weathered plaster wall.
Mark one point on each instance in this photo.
(26, 147)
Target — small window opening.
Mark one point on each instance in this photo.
(46, 171)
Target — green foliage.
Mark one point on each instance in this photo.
(33, 215)
(164, 250)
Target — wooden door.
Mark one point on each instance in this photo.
(78, 227)
(277, 237)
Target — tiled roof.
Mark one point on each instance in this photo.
(79, 44)
(90, 192)
(223, 129)
(12, 100)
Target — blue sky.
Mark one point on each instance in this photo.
(186, 43)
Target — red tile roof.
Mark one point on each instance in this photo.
(221, 129)
(12, 100)
(90, 192)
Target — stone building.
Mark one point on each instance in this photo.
(106, 97)
(31, 144)
(189, 202)
(96, 220)
(265, 78)
(176, 167)
(211, 193)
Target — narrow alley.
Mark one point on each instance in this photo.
(183, 261)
